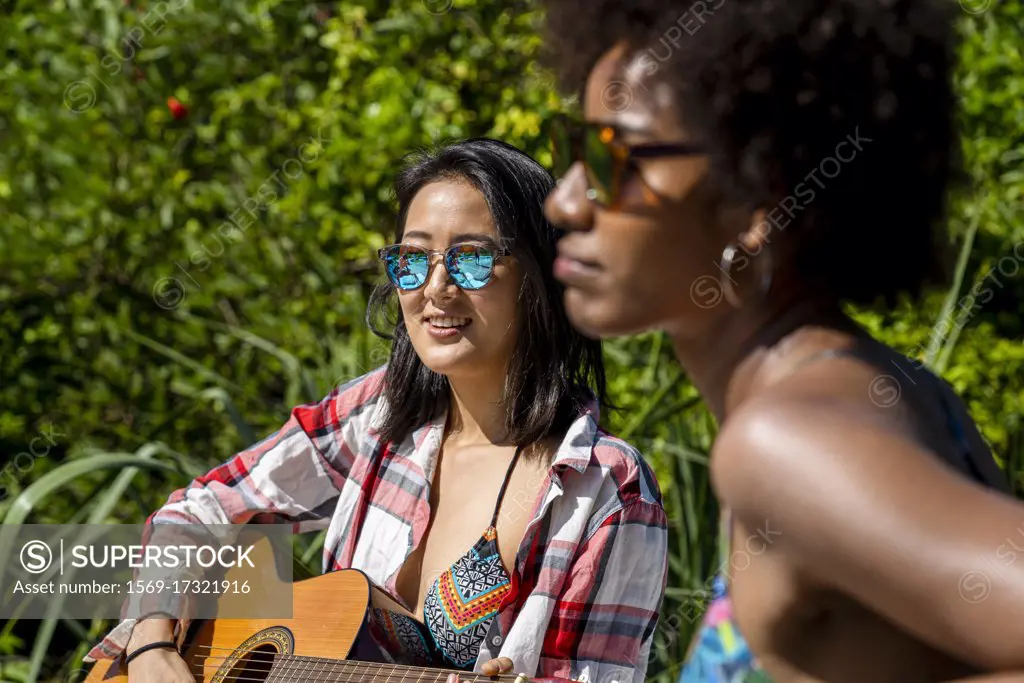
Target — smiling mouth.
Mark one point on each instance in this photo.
(448, 322)
(446, 327)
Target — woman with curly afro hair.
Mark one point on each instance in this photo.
(743, 169)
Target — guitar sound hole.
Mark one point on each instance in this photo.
(254, 667)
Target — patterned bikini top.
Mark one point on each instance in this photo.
(458, 608)
(720, 653)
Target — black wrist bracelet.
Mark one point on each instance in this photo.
(150, 615)
(151, 646)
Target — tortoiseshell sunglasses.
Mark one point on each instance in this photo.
(606, 159)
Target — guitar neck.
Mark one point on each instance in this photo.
(318, 670)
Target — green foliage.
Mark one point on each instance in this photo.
(172, 286)
(975, 341)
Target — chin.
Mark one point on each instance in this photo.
(446, 361)
(600, 317)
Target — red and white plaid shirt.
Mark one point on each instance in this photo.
(590, 573)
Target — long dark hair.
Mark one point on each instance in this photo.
(555, 371)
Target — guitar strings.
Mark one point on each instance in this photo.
(334, 671)
(304, 659)
(301, 664)
(357, 669)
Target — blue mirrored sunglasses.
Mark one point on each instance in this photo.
(470, 266)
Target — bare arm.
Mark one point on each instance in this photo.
(861, 507)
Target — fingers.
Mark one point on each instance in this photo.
(501, 665)
(453, 678)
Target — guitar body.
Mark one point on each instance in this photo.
(329, 623)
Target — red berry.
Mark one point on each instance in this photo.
(178, 110)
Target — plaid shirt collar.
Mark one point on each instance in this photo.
(574, 452)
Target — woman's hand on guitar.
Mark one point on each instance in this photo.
(494, 667)
(159, 666)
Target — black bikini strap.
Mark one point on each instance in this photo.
(504, 485)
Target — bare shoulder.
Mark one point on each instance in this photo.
(823, 455)
(858, 499)
(804, 438)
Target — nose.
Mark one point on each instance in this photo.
(567, 207)
(439, 285)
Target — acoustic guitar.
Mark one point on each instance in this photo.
(328, 640)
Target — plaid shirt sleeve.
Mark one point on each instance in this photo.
(603, 621)
(294, 476)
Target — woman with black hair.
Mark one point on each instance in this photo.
(743, 170)
(468, 478)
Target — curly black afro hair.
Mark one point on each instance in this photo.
(773, 86)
